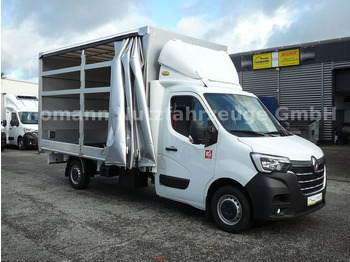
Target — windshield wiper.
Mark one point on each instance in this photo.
(248, 132)
(281, 133)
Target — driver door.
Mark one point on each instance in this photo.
(185, 168)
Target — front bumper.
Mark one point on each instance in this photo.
(30, 140)
(280, 191)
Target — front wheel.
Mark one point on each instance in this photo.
(77, 178)
(21, 145)
(231, 209)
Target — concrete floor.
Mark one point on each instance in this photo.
(44, 219)
(338, 161)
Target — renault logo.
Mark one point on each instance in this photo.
(314, 164)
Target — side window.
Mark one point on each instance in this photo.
(184, 109)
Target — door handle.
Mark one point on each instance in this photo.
(171, 149)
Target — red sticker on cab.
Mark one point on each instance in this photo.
(208, 154)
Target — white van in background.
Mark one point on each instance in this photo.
(20, 120)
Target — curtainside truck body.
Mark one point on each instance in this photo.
(150, 105)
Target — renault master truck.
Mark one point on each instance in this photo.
(20, 120)
(150, 105)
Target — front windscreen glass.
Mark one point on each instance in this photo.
(244, 115)
(28, 117)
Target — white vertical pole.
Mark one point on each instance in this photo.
(40, 79)
(82, 102)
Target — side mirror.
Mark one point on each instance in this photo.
(212, 135)
(4, 122)
(286, 125)
(14, 123)
(198, 132)
(202, 135)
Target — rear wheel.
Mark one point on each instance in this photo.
(21, 145)
(231, 209)
(77, 178)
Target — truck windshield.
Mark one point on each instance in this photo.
(244, 115)
(28, 117)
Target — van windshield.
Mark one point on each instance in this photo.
(29, 117)
(244, 115)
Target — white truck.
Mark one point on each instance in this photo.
(19, 117)
(154, 105)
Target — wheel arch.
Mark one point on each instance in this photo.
(218, 184)
(87, 165)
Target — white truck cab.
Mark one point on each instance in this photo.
(20, 120)
(221, 149)
(176, 114)
(257, 165)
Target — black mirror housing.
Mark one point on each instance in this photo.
(202, 135)
(198, 132)
(14, 123)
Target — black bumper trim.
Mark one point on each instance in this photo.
(174, 182)
(270, 192)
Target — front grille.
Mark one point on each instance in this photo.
(309, 181)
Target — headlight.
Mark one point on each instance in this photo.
(268, 163)
(28, 130)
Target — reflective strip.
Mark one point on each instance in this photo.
(312, 180)
(308, 188)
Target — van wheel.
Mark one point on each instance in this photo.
(231, 209)
(21, 145)
(77, 178)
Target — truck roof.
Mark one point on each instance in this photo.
(91, 43)
(22, 103)
(103, 50)
(110, 40)
(195, 62)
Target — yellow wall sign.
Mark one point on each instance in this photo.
(288, 57)
(262, 61)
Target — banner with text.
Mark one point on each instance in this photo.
(277, 59)
(262, 61)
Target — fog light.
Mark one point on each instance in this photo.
(278, 211)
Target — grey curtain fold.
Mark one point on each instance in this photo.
(129, 141)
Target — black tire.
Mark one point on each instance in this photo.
(77, 178)
(21, 145)
(231, 209)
